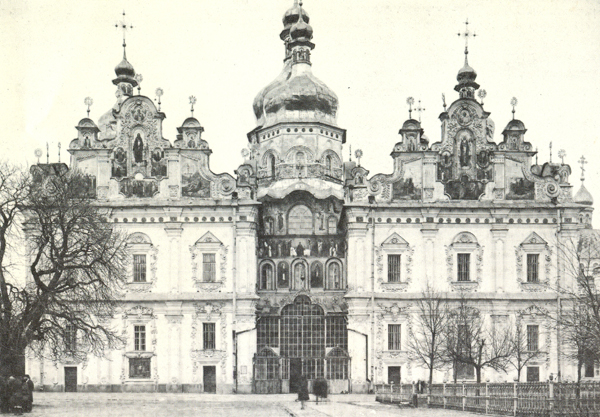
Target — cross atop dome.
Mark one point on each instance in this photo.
(124, 26)
(467, 34)
(466, 75)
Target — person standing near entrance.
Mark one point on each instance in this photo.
(303, 391)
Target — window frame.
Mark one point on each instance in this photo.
(209, 336)
(212, 272)
(394, 336)
(461, 270)
(533, 343)
(139, 337)
(138, 270)
(399, 267)
(70, 338)
(533, 273)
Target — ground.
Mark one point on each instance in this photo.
(187, 405)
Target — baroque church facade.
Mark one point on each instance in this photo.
(302, 262)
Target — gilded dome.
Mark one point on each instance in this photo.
(125, 68)
(290, 17)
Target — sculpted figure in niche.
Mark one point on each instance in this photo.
(465, 154)
(300, 250)
(138, 149)
(308, 249)
(320, 247)
(299, 275)
(279, 221)
(292, 249)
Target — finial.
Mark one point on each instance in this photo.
(47, 153)
(59, 152)
(38, 153)
(444, 101)
(358, 153)
(466, 34)
(550, 152)
(124, 27)
(159, 92)
(420, 109)
(88, 101)
(582, 162)
(350, 153)
(536, 155)
(139, 79)
(513, 103)
(192, 102)
(410, 101)
(561, 154)
(482, 94)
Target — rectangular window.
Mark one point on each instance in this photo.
(589, 368)
(209, 267)
(533, 260)
(139, 368)
(532, 338)
(394, 336)
(533, 374)
(208, 335)
(464, 266)
(393, 268)
(139, 268)
(70, 338)
(139, 340)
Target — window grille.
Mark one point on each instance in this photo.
(337, 364)
(70, 338)
(300, 220)
(139, 338)
(267, 365)
(313, 368)
(394, 336)
(302, 330)
(209, 267)
(532, 338)
(464, 263)
(394, 268)
(208, 335)
(139, 268)
(337, 332)
(533, 267)
(267, 332)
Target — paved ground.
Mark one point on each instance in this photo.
(187, 405)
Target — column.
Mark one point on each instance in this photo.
(429, 232)
(174, 235)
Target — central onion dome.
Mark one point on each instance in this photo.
(296, 95)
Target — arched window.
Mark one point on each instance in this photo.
(269, 226)
(328, 164)
(272, 166)
(300, 221)
(334, 275)
(266, 277)
(300, 275)
(337, 364)
(316, 275)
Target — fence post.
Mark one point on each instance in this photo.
(551, 398)
(464, 398)
(444, 393)
(487, 401)
(515, 399)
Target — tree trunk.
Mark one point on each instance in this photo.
(478, 372)
(430, 377)
(518, 374)
(12, 362)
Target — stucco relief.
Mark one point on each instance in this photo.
(534, 244)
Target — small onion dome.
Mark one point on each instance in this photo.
(583, 196)
(290, 17)
(125, 73)
(191, 122)
(466, 77)
(86, 123)
(301, 31)
(515, 124)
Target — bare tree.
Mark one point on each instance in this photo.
(579, 315)
(426, 342)
(76, 265)
(522, 351)
(470, 343)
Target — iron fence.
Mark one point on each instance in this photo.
(527, 399)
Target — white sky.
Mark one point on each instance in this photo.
(373, 54)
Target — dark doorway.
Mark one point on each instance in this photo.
(295, 374)
(210, 379)
(393, 374)
(70, 379)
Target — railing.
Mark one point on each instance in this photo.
(531, 399)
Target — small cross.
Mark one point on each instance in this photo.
(550, 152)
(124, 26)
(513, 103)
(192, 102)
(466, 34)
(139, 78)
(444, 101)
(482, 94)
(420, 109)
(159, 92)
(88, 101)
(582, 161)
(358, 153)
(410, 101)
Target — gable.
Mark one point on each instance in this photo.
(208, 238)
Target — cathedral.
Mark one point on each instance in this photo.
(304, 263)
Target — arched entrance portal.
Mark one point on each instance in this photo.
(309, 341)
